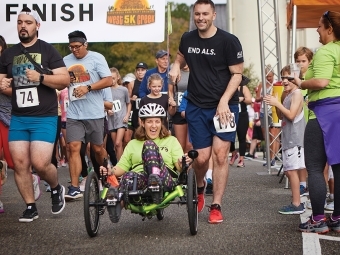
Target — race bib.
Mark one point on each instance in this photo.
(27, 97)
(239, 107)
(117, 106)
(179, 98)
(66, 104)
(230, 127)
(256, 115)
(72, 95)
(130, 116)
(137, 103)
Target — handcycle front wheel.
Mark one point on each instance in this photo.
(192, 201)
(91, 207)
(160, 214)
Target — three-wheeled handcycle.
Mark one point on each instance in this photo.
(148, 203)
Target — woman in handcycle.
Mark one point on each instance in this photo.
(154, 155)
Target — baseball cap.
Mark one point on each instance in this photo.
(129, 77)
(161, 53)
(142, 65)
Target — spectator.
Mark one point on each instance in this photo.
(162, 61)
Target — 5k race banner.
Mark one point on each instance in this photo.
(100, 20)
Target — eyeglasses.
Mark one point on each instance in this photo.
(76, 47)
(327, 17)
(287, 77)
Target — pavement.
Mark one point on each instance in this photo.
(252, 224)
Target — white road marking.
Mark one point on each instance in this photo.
(311, 244)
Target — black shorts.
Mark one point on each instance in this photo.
(177, 119)
(257, 133)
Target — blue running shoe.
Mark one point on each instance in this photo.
(73, 194)
(312, 226)
(292, 209)
(303, 191)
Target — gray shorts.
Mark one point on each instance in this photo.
(85, 131)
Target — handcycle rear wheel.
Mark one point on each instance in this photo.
(91, 207)
(192, 201)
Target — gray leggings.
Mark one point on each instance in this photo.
(315, 158)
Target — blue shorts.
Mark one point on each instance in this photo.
(201, 126)
(24, 128)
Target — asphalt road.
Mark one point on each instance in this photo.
(251, 224)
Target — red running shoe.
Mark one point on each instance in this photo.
(215, 214)
(200, 197)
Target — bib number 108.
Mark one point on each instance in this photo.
(229, 127)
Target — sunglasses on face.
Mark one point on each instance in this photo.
(76, 47)
(288, 78)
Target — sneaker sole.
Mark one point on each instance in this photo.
(28, 220)
(294, 212)
(315, 231)
(62, 208)
(215, 221)
(69, 198)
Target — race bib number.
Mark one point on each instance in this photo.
(72, 95)
(117, 106)
(137, 103)
(179, 98)
(130, 116)
(230, 127)
(27, 97)
(66, 104)
(256, 115)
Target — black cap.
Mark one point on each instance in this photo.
(142, 65)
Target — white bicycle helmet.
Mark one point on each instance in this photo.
(151, 110)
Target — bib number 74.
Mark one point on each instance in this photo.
(229, 127)
(27, 97)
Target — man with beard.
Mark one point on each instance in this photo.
(162, 61)
(215, 60)
(34, 110)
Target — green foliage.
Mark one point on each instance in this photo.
(254, 80)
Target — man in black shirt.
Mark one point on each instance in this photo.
(215, 60)
(33, 124)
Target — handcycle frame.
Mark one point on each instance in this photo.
(95, 202)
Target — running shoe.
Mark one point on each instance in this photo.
(329, 206)
(292, 209)
(209, 188)
(303, 191)
(36, 188)
(215, 214)
(248, 155)
(73, 193)
(272, 163)
(29, 215)
(82, 184)
(241, 164)
(1, 207)
(200, 197)
(312, 226)
(234, 156)
(113, 205)
(58, 200)
(333, 224)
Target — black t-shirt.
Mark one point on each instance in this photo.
(135, 91)
(163, 101)
(31, 98)
(209, 60)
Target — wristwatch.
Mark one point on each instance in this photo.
(41, 77)
(89, 88)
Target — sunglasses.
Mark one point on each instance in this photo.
(287, 77)
(327, 17)
(76, 47)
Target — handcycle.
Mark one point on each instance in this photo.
(148, 203)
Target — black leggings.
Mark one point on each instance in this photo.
(241, 130)
(54, 159)
(315, 158)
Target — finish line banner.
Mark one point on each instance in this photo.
(101, 20)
